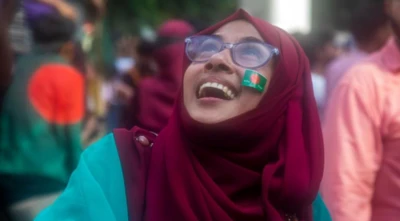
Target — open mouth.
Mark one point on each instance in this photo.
(216, 90)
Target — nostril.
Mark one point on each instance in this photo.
(209, 66)
(223, 67)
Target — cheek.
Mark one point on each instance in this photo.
(189, 79)
(267, 72)
(247, 102)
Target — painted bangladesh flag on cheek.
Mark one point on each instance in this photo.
(254, 80)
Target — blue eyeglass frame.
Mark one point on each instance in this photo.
(230, 46)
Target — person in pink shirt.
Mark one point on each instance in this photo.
(362, 136)
(371, 29)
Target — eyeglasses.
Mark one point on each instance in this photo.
(248, 54)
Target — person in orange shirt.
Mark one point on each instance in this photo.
(362, 136)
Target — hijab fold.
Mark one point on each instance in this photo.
(258, 166)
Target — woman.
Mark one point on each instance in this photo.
(236, 153)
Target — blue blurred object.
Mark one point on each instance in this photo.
(124, 64)
(34, 9)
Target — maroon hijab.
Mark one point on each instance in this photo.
(258, 166)
(156, 95)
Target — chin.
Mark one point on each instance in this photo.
(207, 116)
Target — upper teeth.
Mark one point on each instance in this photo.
(228, 93)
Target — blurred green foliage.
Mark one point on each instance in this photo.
(129, 15)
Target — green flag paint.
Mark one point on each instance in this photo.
(255, 80)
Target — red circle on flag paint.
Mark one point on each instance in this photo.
(255, 79)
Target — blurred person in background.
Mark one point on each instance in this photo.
(78, 60)
(320, 49)
(40, 122)
(145, 67)
(145, 64)
(155, 95)
(7, 12)
(370, 28)
(125, 86)
(362, 136)
(116, 92)
(120, 88)
(95, 106)
(127, 60)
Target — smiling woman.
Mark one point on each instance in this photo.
(229, 152)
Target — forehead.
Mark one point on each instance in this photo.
(236, 30)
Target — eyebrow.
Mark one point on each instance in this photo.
(248, 38)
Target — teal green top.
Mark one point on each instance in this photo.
(96, 190)
(320, 212)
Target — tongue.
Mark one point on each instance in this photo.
(213, 93)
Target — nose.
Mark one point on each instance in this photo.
(220, 62)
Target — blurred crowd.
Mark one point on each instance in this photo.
(60, 92)
(333, 53)
(355, 82)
